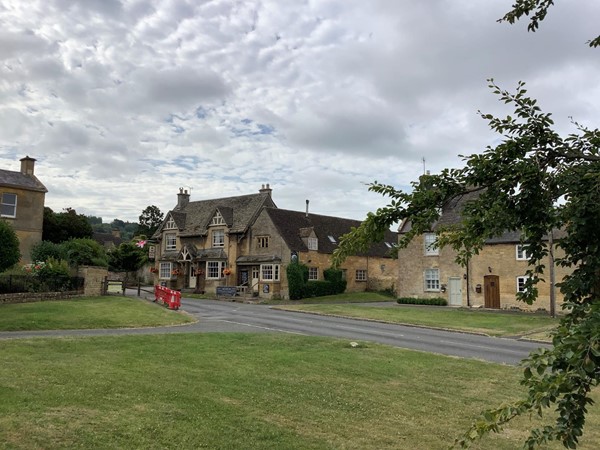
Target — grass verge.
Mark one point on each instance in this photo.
(87, 312)
(491, 323)
(263, 391)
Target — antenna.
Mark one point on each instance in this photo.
(424, 170)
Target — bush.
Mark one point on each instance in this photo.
(335, 277)
(297, 275)
(54, 275)
(80, 252)
(436, 301)
(9, 246)
(45, 250)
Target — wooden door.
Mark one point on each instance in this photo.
(192, 276)
(491, 291)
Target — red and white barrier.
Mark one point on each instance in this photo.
(169, 297)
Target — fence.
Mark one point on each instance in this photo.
(13, 284)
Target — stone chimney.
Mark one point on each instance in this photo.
(116, 233)
(27, 165)
(183, 198)
(266, 189)
(307, 202)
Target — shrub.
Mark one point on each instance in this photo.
(335, 277)
(435, 301)
(54, 275)
(297, 274)
(9, 246)
(45, 250)
(84, 252)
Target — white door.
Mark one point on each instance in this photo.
(192, 273)
(255, 273)
(455, 291)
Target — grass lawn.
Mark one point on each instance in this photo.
(492, 323)
(87, 312)
(259, 391)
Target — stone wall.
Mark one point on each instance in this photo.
(94, 279)
(30, 297)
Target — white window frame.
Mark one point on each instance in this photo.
(212, 266)
(313, 243)
(521, 253)
(431, 280)
(217, 219)
(170, 242)
(218, 238)
(164, 270)
(429, 240)
(361, 275)
(313, 273)
(521, 283)
(5, 205)
(269, 272)
(170, 225)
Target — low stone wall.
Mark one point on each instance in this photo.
(94, 280)
(30, 297)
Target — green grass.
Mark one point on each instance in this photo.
(87, 312)
(230, 391)
(492, 323)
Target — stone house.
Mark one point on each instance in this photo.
(246, 241)
(491, 278)
(22, 198)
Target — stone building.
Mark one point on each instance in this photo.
(22, 198)
(247, 242)
(491, 278)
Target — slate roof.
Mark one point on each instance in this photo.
(106, 239)
(451, 215)
(238, 212)
(292, 225)
(20, 180)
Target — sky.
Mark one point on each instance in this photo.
(124, 102)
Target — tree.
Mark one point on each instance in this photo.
(60, 227)
(127, 257)
(150, 220)
(538, 10)
(534, 181)
(84, 252)
(9, 246)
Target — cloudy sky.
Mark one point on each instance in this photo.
(122, 102)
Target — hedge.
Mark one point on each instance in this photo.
(436, 301)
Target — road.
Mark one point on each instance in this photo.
(221, 316)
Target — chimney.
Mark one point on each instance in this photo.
(183, 198)
(27, 165)
(307, 202)
(266, 189)
(116, 233)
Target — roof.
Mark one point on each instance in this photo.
(238, 212)
(293, 225)
(20, 180)
(107, 238)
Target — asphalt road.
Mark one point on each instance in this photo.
(221, 316)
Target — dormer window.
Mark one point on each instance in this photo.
(313, 243)
(431, 248)
(218, 238)
(170, 225)
(217, 219)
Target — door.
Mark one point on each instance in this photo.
(455, 291)
(244, 277)
(255, 274)
(192, 276)
(491, 291)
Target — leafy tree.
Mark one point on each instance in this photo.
(538, 10)
(534, 181)
(127, 257)
(150, 220)
(94, 220)
(9, 246)
(84, 252)
(59, 227)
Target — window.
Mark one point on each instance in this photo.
(170, 242)
(332, 239)
(217, 219)
(9, 205)
(313, 243)
(432, 279)
(170, 225)
(269, 272)
(165, 270)
(521, 283)
(313, 273)
(431, 249)
(218, 238)
(522, 252)
(263, 241)
(214, 269)
(361, 275)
